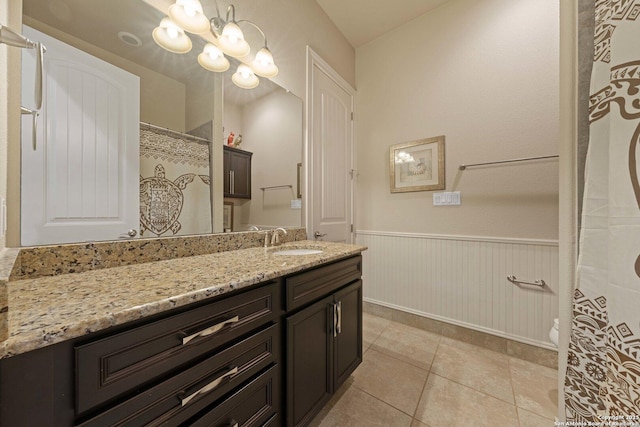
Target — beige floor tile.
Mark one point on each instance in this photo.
(476, 369)
(408, 344)
(372, 327)
(391, 380)
(535, 387)
(445, 403)
(417, 423)
(355, 408)
(529, 419)
(475, 349)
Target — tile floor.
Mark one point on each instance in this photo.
(413, 378)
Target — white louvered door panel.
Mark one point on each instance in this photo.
(81, 183)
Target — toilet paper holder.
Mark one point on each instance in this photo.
(513, 279)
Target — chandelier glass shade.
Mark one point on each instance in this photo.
(212, 59)
(244, 77)
(232, 41)
(171, 37)
(188, 16)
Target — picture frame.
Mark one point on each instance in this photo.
(227, 216)
(417, 165)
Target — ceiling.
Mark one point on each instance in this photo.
(361, 21)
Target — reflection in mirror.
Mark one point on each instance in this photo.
(113, 170)
(267, 122)
(175, 96)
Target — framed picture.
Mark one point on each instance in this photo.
(417, 165)
(227, 216)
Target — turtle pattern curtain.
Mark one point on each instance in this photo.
(174, 184)
(602, 382)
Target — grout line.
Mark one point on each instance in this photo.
(430, 372)
(424, 387)
(513, 391)
(381, 400)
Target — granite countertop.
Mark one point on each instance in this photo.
(48, 310)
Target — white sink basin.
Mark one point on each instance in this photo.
(298, 252)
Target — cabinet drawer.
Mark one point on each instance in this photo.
(185, 395)
(112, 366)
(254, 405)
(306, 287)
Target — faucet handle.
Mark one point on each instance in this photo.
(275, 239)
(319, 235)
(266, 238)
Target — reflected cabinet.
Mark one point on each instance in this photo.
(237, 173)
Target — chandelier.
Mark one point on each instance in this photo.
(188, 16)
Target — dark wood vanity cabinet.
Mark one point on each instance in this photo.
(237, 173)
(175, 368)
(271, 355)
(324, 338)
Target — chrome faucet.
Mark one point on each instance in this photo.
(254, 228)
(275, 238)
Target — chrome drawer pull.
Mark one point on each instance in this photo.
(339, 327)
(213, 384)
(212, 330)
(335, 320)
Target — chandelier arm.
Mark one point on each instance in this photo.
(231, 8)
(216, 24)
(217, 9)
(257, 28)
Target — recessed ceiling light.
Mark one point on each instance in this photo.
(130, 39)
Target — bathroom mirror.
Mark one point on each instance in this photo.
(269, 118)
(177, 98)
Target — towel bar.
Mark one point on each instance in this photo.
(539, 283)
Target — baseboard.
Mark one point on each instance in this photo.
(531, 352)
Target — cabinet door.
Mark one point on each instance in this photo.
(237, 173)
(226, 162)
(309, 361)
(348, 339)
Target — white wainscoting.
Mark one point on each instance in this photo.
(462, 280)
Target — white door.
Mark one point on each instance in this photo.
(330, 129)
(81, 182)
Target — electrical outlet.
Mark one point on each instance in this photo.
(296, 204)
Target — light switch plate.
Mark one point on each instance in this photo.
(448, 198)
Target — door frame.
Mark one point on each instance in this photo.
(314, 60)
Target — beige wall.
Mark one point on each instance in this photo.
(272, 131)
(485, 75)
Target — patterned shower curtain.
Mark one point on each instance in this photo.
(602, 383)
(174, 184)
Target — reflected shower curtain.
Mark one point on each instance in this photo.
(602, 383)
(174, 184)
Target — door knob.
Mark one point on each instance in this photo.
(318, 235)
(129, 234)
